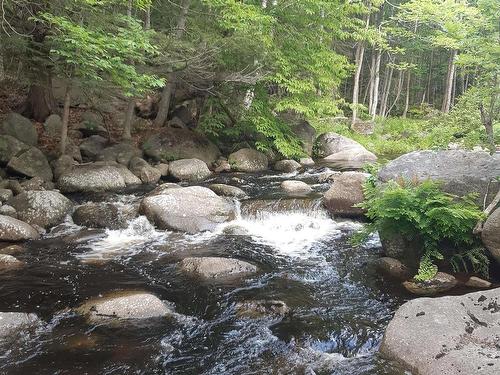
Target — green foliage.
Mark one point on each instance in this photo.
(474, 260)
(421, 211)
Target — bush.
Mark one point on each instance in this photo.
(422, 212)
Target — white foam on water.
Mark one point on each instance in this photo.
(139, 234)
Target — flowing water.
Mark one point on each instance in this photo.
(339, 306)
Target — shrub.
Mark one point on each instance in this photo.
(421, 211)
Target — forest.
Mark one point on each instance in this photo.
(241, 64)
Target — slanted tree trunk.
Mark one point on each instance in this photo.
(398, 92)
(167, 93)
(65, 120)
(450, 77)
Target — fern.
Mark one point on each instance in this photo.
(475, 258)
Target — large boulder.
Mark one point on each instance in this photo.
(91, 178)
(296, 188)
(453, 335)
(41, 207)
(248, 160)
(461, 172)
(287, 166)
(336, 148)
(302, 130)
(190, 209)
(189, 170)
(145, 172)
(345, 193)
(174, 143)
(101, 215)
(10, 147)
(31, 163)
(93, 146)
(228, 190)
(491, 234)
(11, 322)
(118, 306)
(216, 268)
(20, 128)
(16, 230)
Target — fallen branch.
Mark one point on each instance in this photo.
(487, 211)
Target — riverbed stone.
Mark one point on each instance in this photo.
(306, 162)
(11, 322)
(191, 209)
(12, 250)
(163, 168)
(92, 124)
(302, 129)
(53, 125)
(393, 268)
(12, 229)
(440, 283)
(5, 195)
(345, 193)
(10, 147)
(193, 170)
(461, 172)
(248, 160)
(128, 305)
(258, 309)
(100, 215)
(7, 210)
(477, 282)
(41, 207)
(8, 262)
(174, 143)
(287, 166)
(296, 188)
(20, 128)
(333, 147)
(452, 335)
(145, 172)
(491, 234)
(216, 267)
(228, 191)
(63, 164)
(31, 163)
(91, 178)
(121, 153)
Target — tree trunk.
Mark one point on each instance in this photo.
(407, 101)
(40, 102)
(445, 108)
(65, 120)
(168, 90)
(129, 8)
(398, 92)
(129, 118)
(376, 84)
(372, 82)
(147, 22)
(360, 51)
(386, 90)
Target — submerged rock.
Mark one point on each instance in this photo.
(392, 267)
(345, 193)
(11, 322)
(123, 306)
(462, 172)
(193, 170)
(248, 160)
(228, 190)
(190, 209)
(216, 268)
(296, 188)
(16, 230)
(287, 166)
(440, 283)
(174, 144)
(91, 178)
(9, 262)
(41, 207)
(491, 234)
(454, 335)
(261, 309)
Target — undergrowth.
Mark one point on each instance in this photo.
(421, 211)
